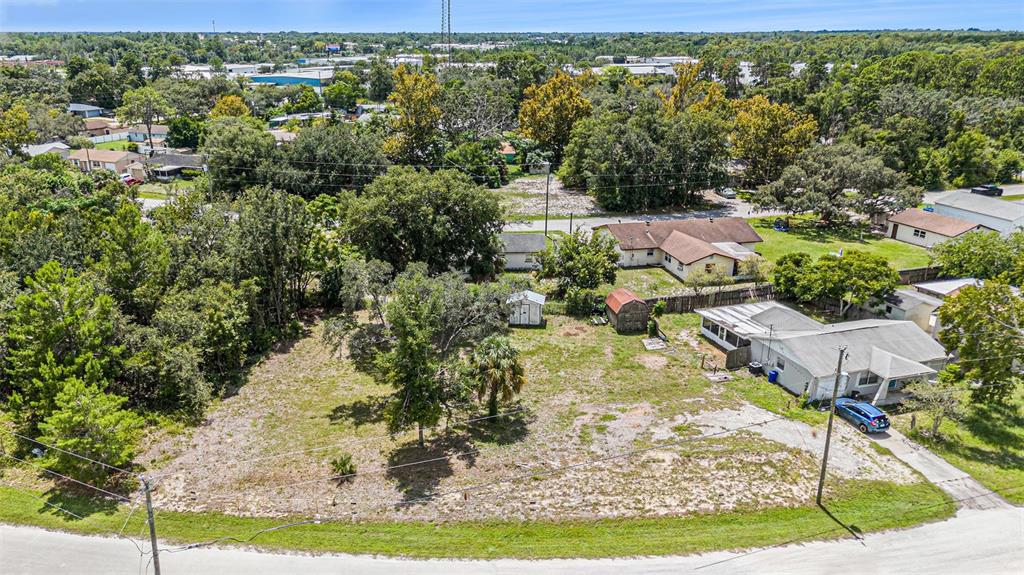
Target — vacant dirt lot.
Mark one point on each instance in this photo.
(605, 429)
(525, 197)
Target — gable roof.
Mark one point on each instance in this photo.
(935, 223)
(891, 366)
(101, 155)
(522, 243)
(908, 299)
(527, 295)
(815, 350)
(646, 235)
(34, 150)
(979, 204)
(180, 160)
(688, 249)
(73, 107)
(620, 297)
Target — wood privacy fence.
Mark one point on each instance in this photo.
(918, 275)
(688, 303)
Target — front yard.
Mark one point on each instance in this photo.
(805, 236)
(988, 444)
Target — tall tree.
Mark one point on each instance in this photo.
(146, 106)
(382, 81)
(230, 105)
(770, 137)
(416, 102)
(235, 149)
(581, 260)
(550, 110)
(345, 90)
(985, 325)
(14, 130)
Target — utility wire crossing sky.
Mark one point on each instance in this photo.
(519, 16)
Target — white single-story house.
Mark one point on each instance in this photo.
(993, 213)
(520, 250)
(927, 228)
(60, 148)
(139, 133)
(681, 246)
(526, 308)
(114, 160)
(801, 354)
(85, 110)
(911, 305)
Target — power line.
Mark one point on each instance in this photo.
(72, 479)
(73, 454)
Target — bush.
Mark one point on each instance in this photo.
(132, 147)
(659, 308)
(343, 467)
(652, 328)
(579, 302)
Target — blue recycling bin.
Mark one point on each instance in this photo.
(773, 376)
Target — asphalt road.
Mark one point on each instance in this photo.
(975, 542)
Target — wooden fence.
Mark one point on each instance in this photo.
(918, 275)
(715, 298)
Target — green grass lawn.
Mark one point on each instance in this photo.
(119, 145)
(645, 282)
(1012, 198)
(160, 190)
(861, 506)
(988, 444)
(806, 237)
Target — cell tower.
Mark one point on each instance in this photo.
(446, 27)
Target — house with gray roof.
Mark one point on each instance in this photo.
(993, 213)
(85, 110)
(520, 250)
(882, 356)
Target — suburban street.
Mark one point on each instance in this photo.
(975, 541)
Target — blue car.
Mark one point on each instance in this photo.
(867, 418)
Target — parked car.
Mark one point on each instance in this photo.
(987, 190)
(131, 181)
(867, 418)
(727, 193)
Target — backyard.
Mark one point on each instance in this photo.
(805, 236)
(612, 450)
(119, 145)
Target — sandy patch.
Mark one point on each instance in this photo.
(652, 360)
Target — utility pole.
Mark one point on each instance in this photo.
(831, 416)
(547, 191)
(152, 527)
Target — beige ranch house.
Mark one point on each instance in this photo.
(924, 228)
(681, 246)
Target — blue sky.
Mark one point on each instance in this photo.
(506, 16)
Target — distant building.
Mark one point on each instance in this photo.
(1002, 216)
(925, 228)
(626, 311)
(85, 110)
(315, 78)
(520, 250)
(33, 150)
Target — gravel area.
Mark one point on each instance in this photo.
(525, 197)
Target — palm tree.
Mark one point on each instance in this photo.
(495, 367)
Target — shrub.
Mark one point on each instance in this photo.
(343, 467)
(579, 302)
(652, 328)
(659, 308)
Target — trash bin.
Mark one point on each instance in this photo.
(773, 376)
(756, 368)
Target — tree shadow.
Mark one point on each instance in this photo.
(360, 412)
(71, 500)
(502, 430)
(418, 471)
(993, 423)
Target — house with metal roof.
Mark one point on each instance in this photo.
(999, 215)
(681, 246)
(520, 250)
(801, 354)
(926, 228)
(85, 110)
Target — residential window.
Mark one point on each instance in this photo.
(780, 362)
(650, 253)
(867, 378)
(680, 267)
(668, 258)
(96, 164)
(732, 339)
(919, 233)
(888, 309)
(529, 259)
(709, 267)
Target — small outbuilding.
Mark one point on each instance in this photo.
(626, 311)
(526, 308)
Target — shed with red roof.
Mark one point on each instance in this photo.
(626, 311)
